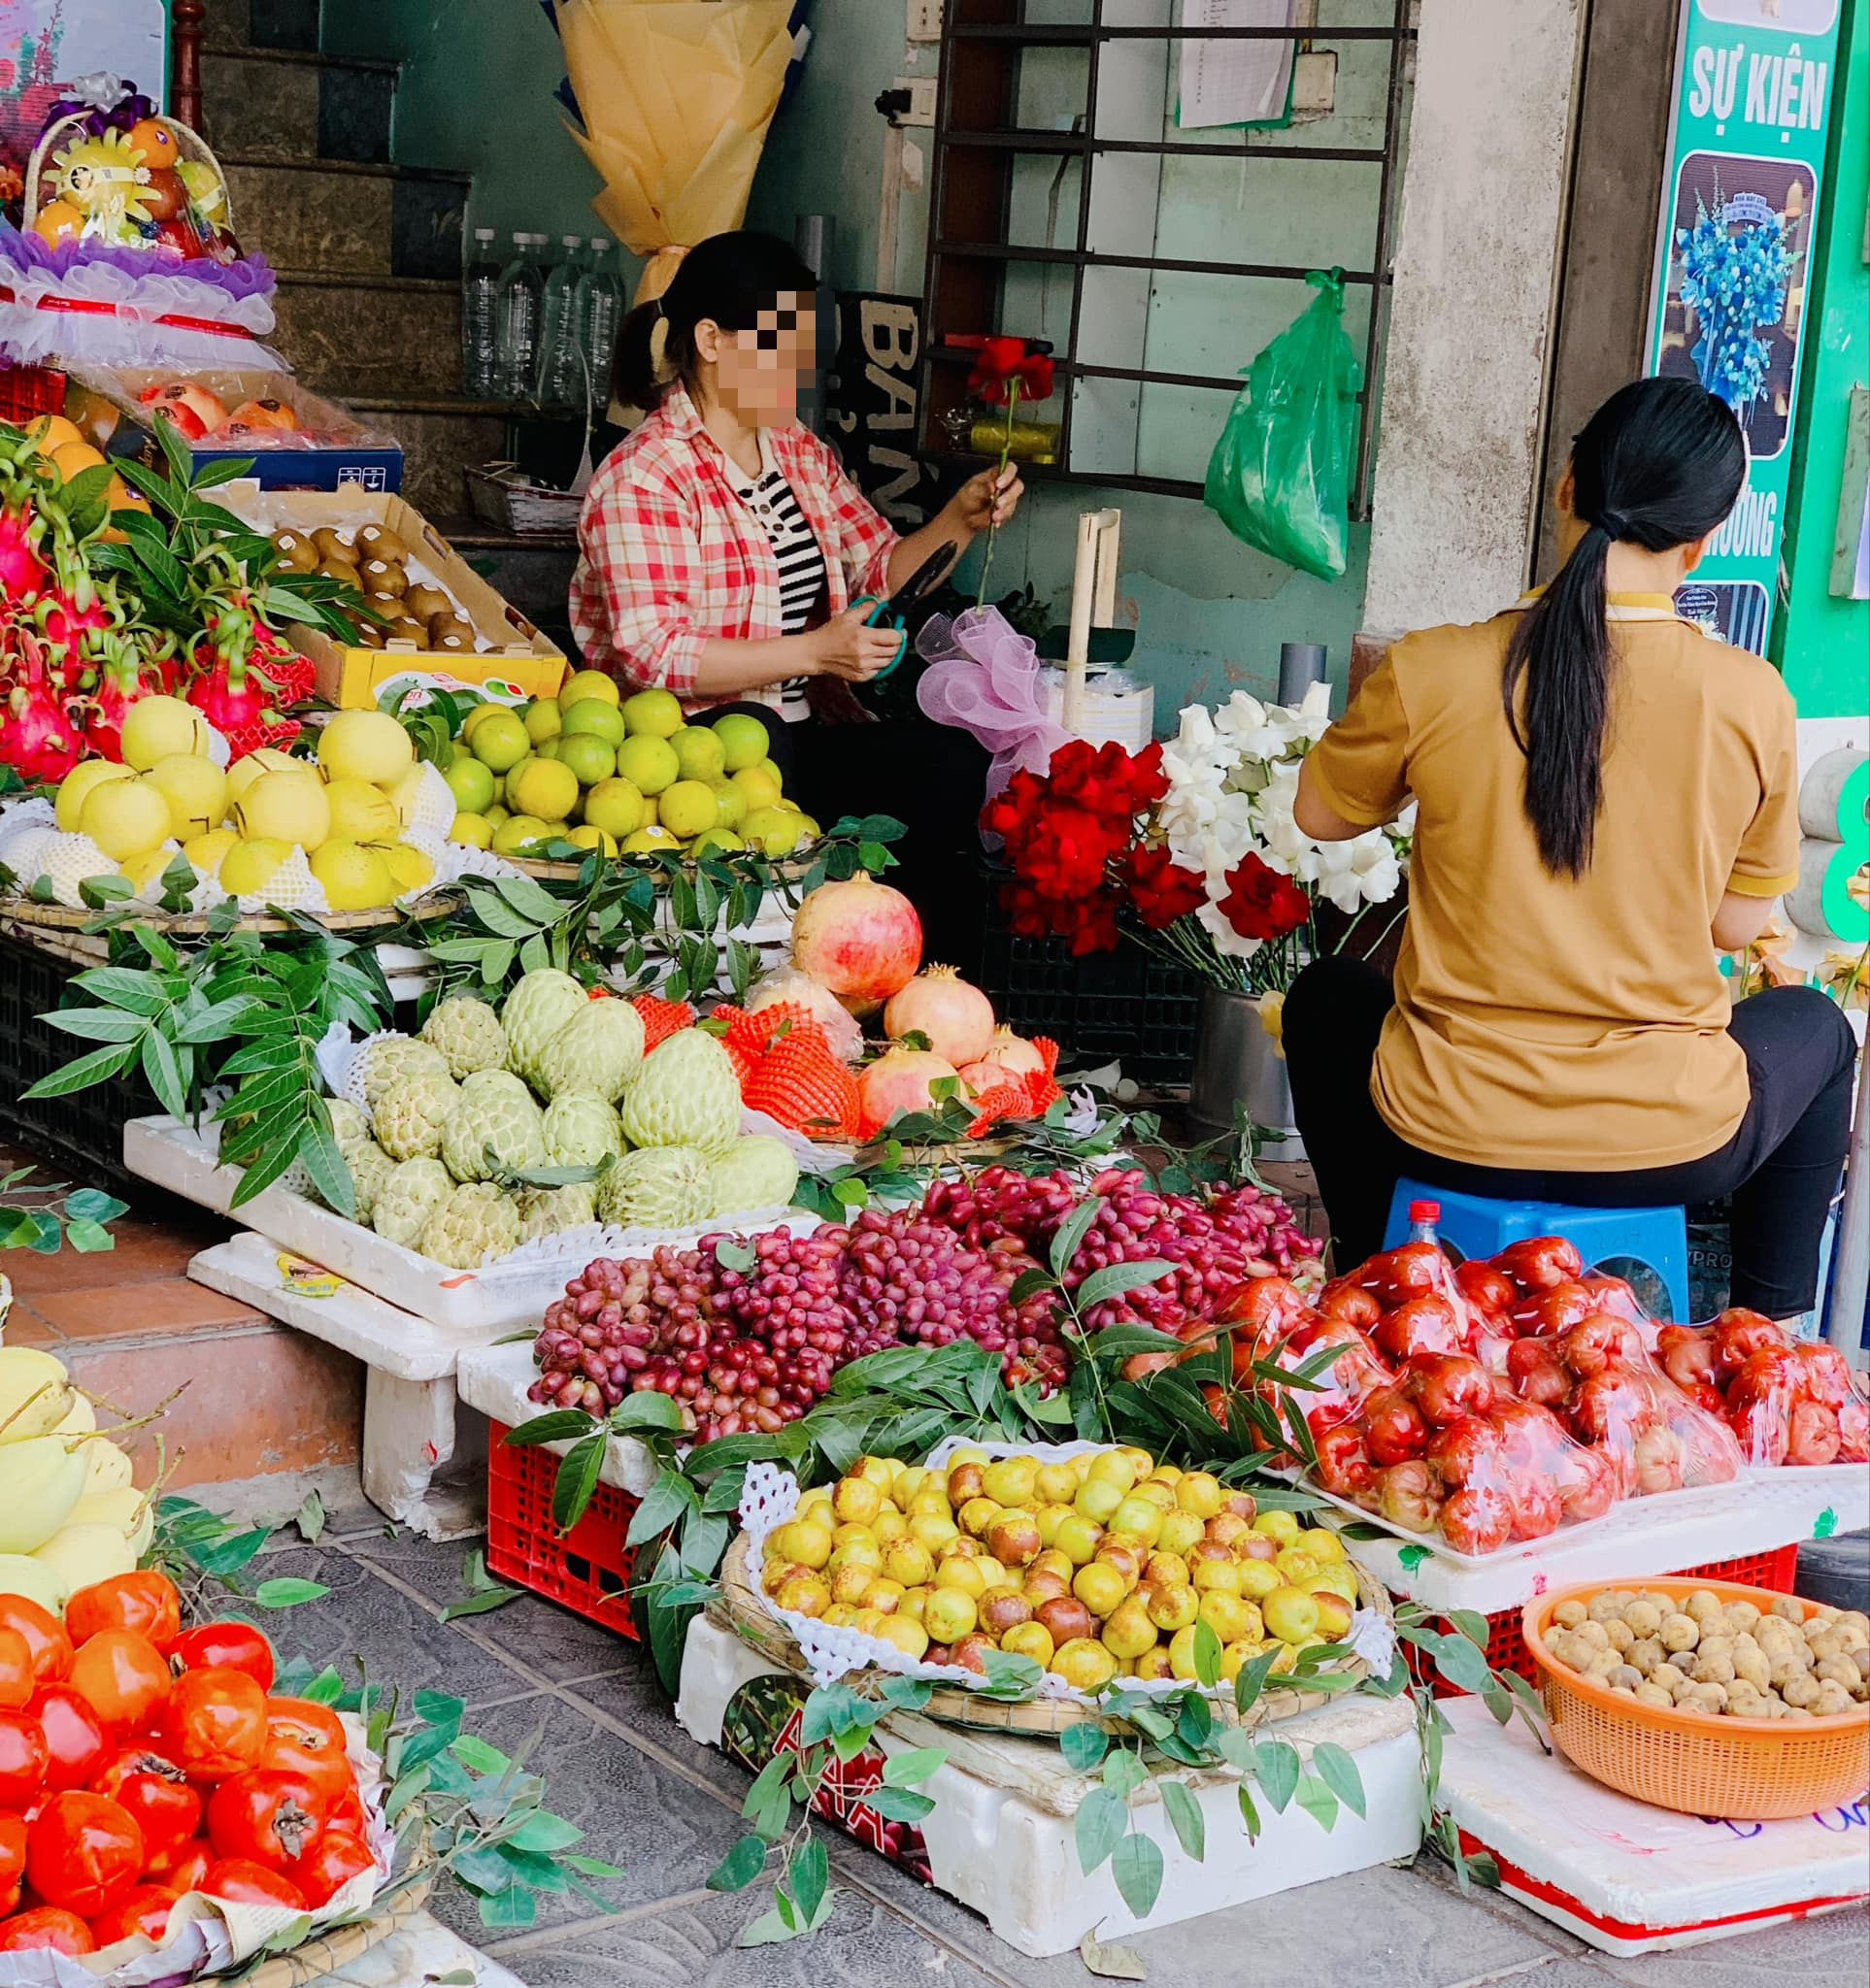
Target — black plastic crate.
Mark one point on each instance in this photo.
(82, 1133)
(1126, 1006)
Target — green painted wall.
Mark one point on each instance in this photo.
(475, 96)
(1823, 641)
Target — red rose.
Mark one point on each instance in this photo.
(1261, 903)
(1064, 851)
(1148, 784)
(1160, 889)
(1096, 778)
(1012, 811)
(1003, 361)
(1089, 923)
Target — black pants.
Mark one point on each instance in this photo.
(1780, 1167)
(931, 778)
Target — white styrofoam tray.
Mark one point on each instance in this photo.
(1759, 1512)
(494, 1379)
(1623, 1876)
(514, 1290)
(1000, 1837)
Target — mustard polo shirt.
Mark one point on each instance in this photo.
(1547, 1022)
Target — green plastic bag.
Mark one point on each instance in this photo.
(1280, 477)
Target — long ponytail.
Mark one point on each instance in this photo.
(1659, 465)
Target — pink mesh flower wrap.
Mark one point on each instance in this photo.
(984, 676)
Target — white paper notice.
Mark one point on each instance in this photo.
(1234, 82)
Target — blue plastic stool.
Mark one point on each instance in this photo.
(1656, 1239)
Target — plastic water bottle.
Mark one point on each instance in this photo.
(522, 289)
(598, 312)
(1422, 1217)
(481, 319)
(561, 374)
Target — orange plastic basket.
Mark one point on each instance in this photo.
(1740, 1769)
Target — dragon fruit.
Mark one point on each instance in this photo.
(246, 674)
(21, 571)
(124, 674)
(37, 737)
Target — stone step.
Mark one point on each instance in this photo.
(370, 335)
(343, 217)
(289, 104)
(262, 25)
(441, 435)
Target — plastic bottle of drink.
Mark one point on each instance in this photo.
(481, 319)
(561, 376)
(522, 289)
(598, 311)
(1422, 1217)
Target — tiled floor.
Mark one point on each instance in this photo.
(666, 1811)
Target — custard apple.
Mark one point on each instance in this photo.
(537, 1009)
(549, 1211)
(349, 1125)
(468, 1033)
(600, 1048)
(393, 1057)
(660, 1187)
(685, 1094)
(476, 1221)
(756, 1172)
(580, 1128)
(370, 1167)
(409, 1115)
(414, 1190)
(495, 1125)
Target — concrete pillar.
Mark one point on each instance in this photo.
(1483, 198)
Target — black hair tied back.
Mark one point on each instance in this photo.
(1659, 465)
(728, 279)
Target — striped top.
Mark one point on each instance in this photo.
(800, 557)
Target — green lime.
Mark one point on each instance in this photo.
(716, 840)
(648, 763)
(646, 840)
(744, 740)
(730, 804)
(500, 741)
(775, 831)
(470, 781)
(584, 683)
(496, 814)
(588, 756)
(514, 836)
(543, 719)
(658, 713)
(599, 719)
(699, 753)
(547, 789)
(476, 830)
(757, 788)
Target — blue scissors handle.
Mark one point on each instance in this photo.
(880, 617)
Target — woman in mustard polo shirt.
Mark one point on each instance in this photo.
(1607, 800)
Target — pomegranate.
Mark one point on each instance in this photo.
(899, 1080)
(1008, 1058)
(956, 1018)
(788, 984)
(861, 938)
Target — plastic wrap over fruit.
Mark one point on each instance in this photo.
(793, 984)
(1786, 1401)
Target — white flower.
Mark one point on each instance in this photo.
(1081, 1119)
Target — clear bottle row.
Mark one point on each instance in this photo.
(541, 328)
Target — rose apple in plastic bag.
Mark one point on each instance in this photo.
(1539, 1262)
(1428, 1323)
(1587, 1484)
(1344, 1465)
(1812, 1433)
(1599, 1341)
(1406, 1272)
(1393, 1427)
(1738, 1334)
(1351, 1302)
(1479, 1520)
(1445, 1387)
(1536, 1506)
(1465, 1453)
(1406, 1496)
(1537, 1373)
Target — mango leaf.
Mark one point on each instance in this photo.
(899, 1804)
(1083, 1747)
(1338, 1770)
(1276, 1767)
(1115, 1279)
(1185, 1818)
(1098, 1827)
(917, 1764)
(740, 1867)
(1318, 1802)
(1136, 1864)
(808, 1874)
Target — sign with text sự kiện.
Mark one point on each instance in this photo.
(1745, 164)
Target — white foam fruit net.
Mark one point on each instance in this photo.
(770, 1497)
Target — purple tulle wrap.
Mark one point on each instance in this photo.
(250, 276)
(986, 676)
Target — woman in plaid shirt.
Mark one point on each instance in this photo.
(721, 545)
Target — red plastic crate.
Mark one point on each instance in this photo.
(1776, 1568)
(588, 1570)
(28, 392)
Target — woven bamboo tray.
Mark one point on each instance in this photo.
(26, 919)
(742, 1609)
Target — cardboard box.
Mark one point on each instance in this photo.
(518, 662)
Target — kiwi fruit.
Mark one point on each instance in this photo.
(299, 555)
(446, 633)
(403, 629)
(331, 547)
(370, 635)
(383, 541)
(426, 602)
(338, 569)
(383, 576)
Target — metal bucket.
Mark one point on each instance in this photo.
(1236, 1060)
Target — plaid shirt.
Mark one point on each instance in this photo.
(669, 557)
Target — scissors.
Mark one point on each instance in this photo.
(894, 611)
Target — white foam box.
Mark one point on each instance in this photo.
(494, 1379)
(1758, 1513)
(1000, 1837)
(1625, 1876)
(473, 1304)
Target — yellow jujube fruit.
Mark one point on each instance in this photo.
(127, 1510)
(35, 1394)
(107, 1466)
(41, 1482)
(21, 1575)
(80, 1556)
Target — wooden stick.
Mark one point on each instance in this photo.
(1109, 531)
(185, 18)
(1084, 595)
